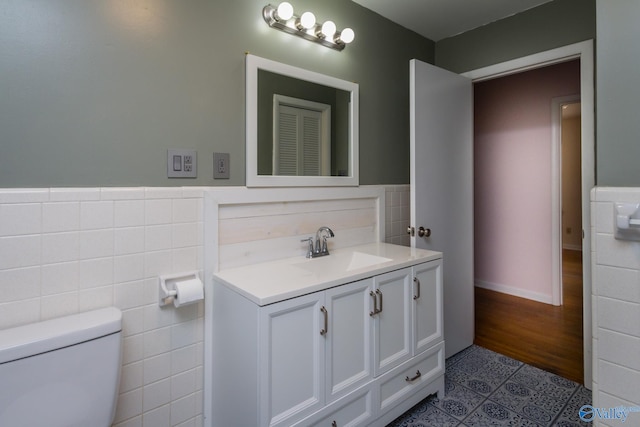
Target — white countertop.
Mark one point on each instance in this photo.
(274, 281)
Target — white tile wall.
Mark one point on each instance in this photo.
(68, 250)
(64, 251)
(616, 306)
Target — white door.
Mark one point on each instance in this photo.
(442, 188)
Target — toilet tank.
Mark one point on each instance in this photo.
(62, 372)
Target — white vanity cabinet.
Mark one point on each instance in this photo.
(315, 349)
(346, 355)
(309, 351)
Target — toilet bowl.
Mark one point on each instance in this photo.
(62, 372)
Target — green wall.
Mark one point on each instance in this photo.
(93, 92)
(618, 91)
(551, 25)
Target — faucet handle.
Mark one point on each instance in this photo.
(324, 245)
(309, 247)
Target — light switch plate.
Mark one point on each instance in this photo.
(221, 166)
(182, 163)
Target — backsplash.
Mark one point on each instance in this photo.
(397, 205)
(616, 305)
(69, 250)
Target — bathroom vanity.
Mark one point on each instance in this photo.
(353, 338)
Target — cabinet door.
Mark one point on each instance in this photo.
(392, 323)
(427, 305)
(292, 372)
(348, 338)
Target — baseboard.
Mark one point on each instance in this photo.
(517, 292)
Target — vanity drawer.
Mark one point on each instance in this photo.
(403, 381)
(353, 410)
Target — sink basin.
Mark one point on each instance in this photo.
(341, 262)
(273, 281)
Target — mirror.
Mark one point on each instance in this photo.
(301, 127)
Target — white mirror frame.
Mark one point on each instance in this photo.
(255, 63)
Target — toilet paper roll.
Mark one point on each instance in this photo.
(188, 292)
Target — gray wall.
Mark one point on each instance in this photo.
(613, 24)
(618, 91)
(554, 24)
(92, 93)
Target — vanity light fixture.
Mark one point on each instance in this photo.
(284, 12)
(283, 18)
(327, 30)
(306, 21)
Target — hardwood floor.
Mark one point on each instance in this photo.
(541, 335)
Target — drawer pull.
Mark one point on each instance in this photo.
(417, 282)
(410, 380)
(325, 331)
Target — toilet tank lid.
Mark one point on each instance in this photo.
(35, 338)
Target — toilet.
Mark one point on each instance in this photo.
(62, 372)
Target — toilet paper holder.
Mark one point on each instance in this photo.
(167, 292)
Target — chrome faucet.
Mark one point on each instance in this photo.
(320, 248)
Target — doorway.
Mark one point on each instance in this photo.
(584, 53)
(458, 197)
(521, 211)
(546, 334)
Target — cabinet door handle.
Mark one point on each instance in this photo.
(325, 331)
(409, 380)
(375, 296)
(417, 282)
(375, 304)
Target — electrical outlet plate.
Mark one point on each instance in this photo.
(221, 166)
(182, 163)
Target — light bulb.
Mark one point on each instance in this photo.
(306, 21)
(328, 29)
(347, 35)
(284, 11)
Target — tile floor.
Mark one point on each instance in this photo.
(484, 388)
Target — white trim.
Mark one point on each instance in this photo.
(255, 63)
(583, 51)
(531, 62)
(556, 194)
(516, 292)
